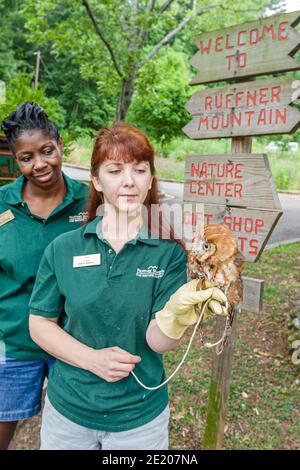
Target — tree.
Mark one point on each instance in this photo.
(112, 40)
(9, 61)
(19, 89)
(158, 104)
(59, 76)
(86, 108)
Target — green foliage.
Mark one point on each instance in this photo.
(87, 107)
(161, 93)
(63, 28)
(8, 64)
(77, 69)
(16, 54)
(19, 89)
(282, 180)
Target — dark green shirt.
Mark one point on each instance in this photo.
(22, 243)
(105, 305)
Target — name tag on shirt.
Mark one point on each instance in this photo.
(6, 216)
(87, 260)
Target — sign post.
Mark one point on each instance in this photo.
(238, 189)
(222, 365)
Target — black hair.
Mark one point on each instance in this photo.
(28, 116)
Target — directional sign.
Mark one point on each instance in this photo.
(251, 227)
(253, 48)
(237, 190)
(242, 180)
(251, 108)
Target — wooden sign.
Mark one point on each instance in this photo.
(241, 180)
(251, 227)
(4, 149)
(253, 48)
(9, 169)
(251, 108)
(253, 294)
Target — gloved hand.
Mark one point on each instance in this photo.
(214, 307)
(179, 312)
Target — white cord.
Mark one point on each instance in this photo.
(207, 345)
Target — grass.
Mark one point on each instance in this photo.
(264, 402)
(285, 166)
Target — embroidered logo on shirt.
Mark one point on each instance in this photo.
(81, 217)
(151, 271)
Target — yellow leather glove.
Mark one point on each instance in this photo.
(179, 312)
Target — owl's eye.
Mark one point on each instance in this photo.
(206, 246)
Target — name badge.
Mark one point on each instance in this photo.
(87, 260)
(6, 216)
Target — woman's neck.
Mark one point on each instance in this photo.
(58, 190)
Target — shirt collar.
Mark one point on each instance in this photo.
(13, 194)
(95, 228)
(75, 189)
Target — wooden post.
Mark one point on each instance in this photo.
(253, 294)
(222, 364)
(219, 389)
(37, 68)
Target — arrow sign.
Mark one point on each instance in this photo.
(252, 228)
(240, 180)
(252, 108)
(237, 190)
(253, 48)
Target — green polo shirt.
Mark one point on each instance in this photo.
(22, 243)
(105, 305)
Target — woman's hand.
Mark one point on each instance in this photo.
(179, 312)
(111, 364)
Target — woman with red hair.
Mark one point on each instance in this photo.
(111, 297)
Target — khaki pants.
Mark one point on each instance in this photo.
(59, 433)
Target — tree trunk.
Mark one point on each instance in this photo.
(125, 98)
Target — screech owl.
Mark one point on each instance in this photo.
(215, 257)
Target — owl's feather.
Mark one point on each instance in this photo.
(215, 258)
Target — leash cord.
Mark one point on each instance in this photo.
(207, 345)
